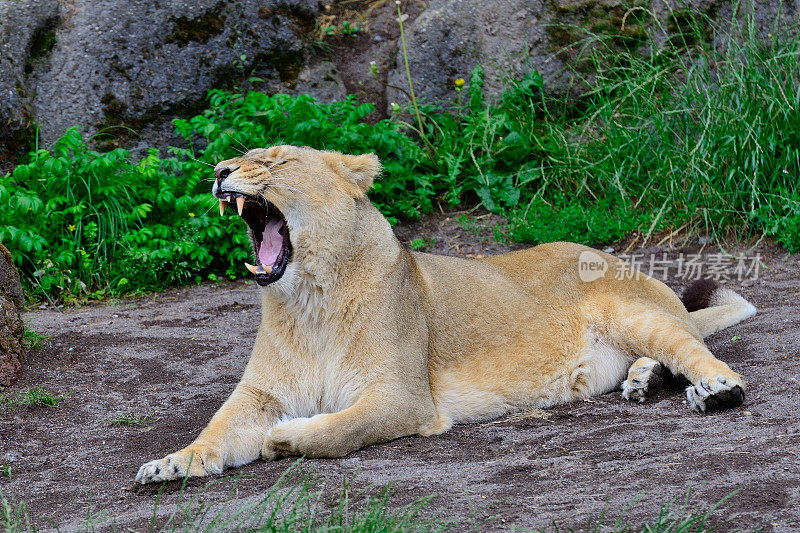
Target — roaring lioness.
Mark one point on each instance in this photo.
(363, 341)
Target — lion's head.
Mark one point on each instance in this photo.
(286, 192)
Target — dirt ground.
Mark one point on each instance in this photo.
(179, 353)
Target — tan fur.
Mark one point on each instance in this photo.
(362, 341)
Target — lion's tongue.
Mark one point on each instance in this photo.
(271, 243)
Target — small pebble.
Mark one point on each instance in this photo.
(10, 457)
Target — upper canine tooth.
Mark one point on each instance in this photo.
(240, 204)
(222, 205)
(251, 268)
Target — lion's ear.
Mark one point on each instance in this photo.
(360, 170)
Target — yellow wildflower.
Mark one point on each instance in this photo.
(72, 227)
(459, 83)
(191, 214)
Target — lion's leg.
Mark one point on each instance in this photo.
(233, 437)
(372, 419)
(664, 337)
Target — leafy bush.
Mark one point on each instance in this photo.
(237, 122)
(85, 223)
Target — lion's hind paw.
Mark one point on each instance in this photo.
(713, 394)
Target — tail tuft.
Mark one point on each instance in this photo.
(698, 294)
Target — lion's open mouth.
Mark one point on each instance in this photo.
(268, 232)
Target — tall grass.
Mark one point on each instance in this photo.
(14, 516)
(297, 502)
(701, 129)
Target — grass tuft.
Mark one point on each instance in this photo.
(14, 516)
(422, 244)
(35, 397)
(669, 519)
(132, 419)
(33, 341)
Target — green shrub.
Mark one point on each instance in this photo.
(86, 223)
(237, 122)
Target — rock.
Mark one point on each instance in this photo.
(319, 78)
(25, 36)
(510, 37)
(450, 37)
(134, 62)
(323, 81)
(11, 328)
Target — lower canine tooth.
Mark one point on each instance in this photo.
(268, 269)
(251, 268)
(222, 207)
(240, 204)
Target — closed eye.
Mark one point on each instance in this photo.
(275, 164)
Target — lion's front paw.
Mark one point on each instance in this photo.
(645, 376)
(712, 394)
(197, 462)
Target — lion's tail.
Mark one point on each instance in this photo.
(713, 308)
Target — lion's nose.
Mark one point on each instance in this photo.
(222, 173)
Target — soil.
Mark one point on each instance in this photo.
(178, 354)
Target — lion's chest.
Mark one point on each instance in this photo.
(308, 372)
(322, 389)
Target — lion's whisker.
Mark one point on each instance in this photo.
(292, 188)
(246, 149)
(208, 211)
(203, 162)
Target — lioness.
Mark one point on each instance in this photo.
(363, 341)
